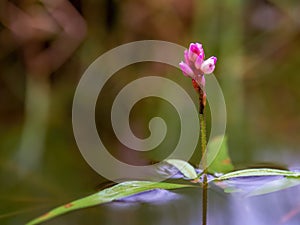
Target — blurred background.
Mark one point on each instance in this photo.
(47, 45)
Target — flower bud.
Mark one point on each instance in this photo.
(186, 57)
(208, 66)
(195, 49)
(187, 71)
(199, 61)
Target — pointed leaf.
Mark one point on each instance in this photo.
(276, 185)
(107, 195)
(184, 167)
(258, 172)
(257, 185)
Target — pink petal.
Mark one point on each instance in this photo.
(196, 48)
(187, 71)
(214, 59)
(186, 57)
(202, 81)
(193, 52)
(208, 66)
(200, 49)
(199, 61)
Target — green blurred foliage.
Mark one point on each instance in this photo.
(257, 43)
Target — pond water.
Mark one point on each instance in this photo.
(184, 207)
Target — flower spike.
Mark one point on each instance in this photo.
(195, 67)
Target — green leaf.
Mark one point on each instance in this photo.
(107, 195)
(275, 185)
(258, 172)
(221, 163)
(184, 167)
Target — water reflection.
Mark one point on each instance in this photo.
(184, 206)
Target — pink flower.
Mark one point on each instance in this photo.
(208, 66)
(187, 71)
(194, 65)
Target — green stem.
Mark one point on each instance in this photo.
(203, 159)
(202, 103)
(203, 138)
(204, 200)
(205, 185)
